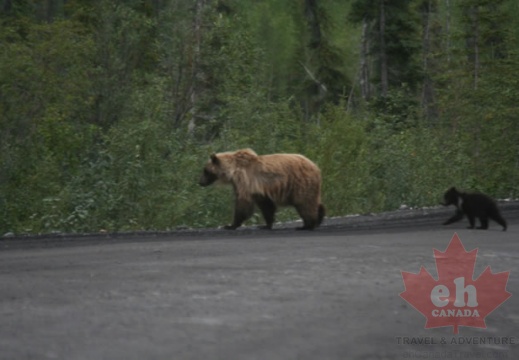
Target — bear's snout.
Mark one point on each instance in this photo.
(203, 181)
(207, 178)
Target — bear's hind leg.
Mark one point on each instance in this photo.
(321, 212)
(496, 216)
(309, 216)
(268, 209)
(499, 219)
(472, 220)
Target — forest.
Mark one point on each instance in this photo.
(109, 109)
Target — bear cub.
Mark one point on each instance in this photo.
(474, 205)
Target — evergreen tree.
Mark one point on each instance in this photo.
(393, 34)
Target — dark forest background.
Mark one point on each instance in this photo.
(109, 109)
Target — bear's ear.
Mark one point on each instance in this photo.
(214, 159)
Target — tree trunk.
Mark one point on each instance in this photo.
(364, 69)
(7, 6)
(195, 68)
(448, 30)
(312, 17)
(384, 83)
(472, 42)
(428, 105)
(316, 90)
(476, 47)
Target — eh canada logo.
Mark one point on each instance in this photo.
(455, 299)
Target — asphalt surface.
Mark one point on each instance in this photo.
(284, 294)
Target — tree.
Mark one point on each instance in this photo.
(325, 79)
(392, 32)
(431, 36)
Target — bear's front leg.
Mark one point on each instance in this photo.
(457, 217)
(243, 210)
(268, 209)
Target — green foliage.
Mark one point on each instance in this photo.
(108, 111)
(341, 148)
(399, 110)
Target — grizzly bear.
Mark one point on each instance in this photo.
(268, 181)
(474, 205)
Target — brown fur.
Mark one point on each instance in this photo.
(268, 181)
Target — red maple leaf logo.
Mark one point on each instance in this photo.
(455, 299)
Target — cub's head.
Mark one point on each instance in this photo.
(451, 197)
(223, 167)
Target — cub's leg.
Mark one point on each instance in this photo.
(457, 217)
(496, 216)
(472, 221)
(484, 223)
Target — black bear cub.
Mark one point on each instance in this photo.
(474, 205)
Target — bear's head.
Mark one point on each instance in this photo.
(211, 171)
(223, 167)
(451, 197)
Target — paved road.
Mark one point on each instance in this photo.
(329, 294)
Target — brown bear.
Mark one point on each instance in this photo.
(268, 181)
